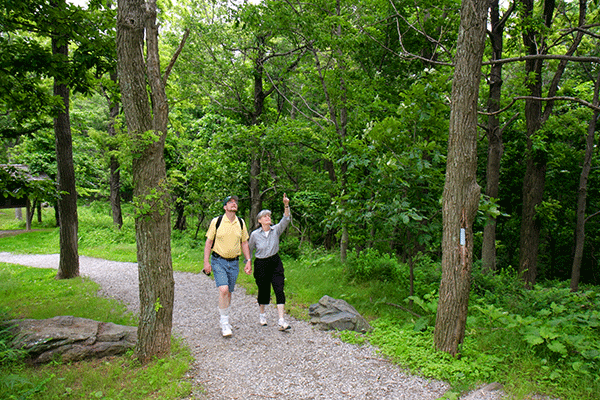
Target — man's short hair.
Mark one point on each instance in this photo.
(237, 200)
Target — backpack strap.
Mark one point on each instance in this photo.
(218, 224)
(220, 218)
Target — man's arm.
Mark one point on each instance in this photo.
(207, 250)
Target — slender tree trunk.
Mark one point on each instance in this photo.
(181, 222)
(535, 174)
(115, 168)
(28, 214)
(148, 127)
(68, 266)
(582, 193)
(255, 197)
(461, 192)
(494, 135)
(259, 105)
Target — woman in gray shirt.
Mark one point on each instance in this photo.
(268, 268)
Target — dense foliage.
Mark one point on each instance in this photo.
(333, 107)
(345, 107)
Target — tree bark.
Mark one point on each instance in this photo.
(115, 168)
(461, 192)
(494, 135)
(148, 127)
(68, 266)
(582, 193)
(28, 215)
(535, 174)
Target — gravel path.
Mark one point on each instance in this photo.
(260, 362)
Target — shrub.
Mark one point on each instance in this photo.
(428, 274)
(290, 246)
(371, 265)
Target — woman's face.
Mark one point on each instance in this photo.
(265, 219)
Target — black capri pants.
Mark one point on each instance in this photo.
(269, 271)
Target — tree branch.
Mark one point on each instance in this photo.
(177, 52)
(514, 100)
(592, 216)
(544, 57)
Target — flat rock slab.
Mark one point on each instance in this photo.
(70, 338)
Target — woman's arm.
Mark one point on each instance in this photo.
(286, 206)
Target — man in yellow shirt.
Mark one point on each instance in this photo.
(222, 250)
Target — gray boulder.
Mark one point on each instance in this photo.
(70, 338)
(337, 314)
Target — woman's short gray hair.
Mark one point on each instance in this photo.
(262, 214)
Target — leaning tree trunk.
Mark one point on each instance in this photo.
(461, 192)
(582, 193)
(148, 127)
(68, 266)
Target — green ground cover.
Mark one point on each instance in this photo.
(545, 340)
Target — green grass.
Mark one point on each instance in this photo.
(35, 293)
(109, 378)
(540, 341)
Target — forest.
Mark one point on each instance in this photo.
(346, 106)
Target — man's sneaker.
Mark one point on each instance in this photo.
(283, 326)
(226, 329)
(263, 319)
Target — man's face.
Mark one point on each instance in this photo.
(231, 205)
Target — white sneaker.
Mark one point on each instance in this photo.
(283, 326)
(225, 327)
(226, 330)
(263, 319)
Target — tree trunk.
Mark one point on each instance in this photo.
(533, 190)
(582, 193)
(344, 240)
(148, 127)
(535, 173)
(181, 222)
(115, 168)
(461, 192)
(68, 266)
(494, 135)
(28, 215)
(255, 197)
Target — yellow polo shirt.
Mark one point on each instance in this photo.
(229, 237)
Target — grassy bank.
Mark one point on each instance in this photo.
(540, 341)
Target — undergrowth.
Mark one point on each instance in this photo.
(545, 340)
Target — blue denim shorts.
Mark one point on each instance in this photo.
(226, 272)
